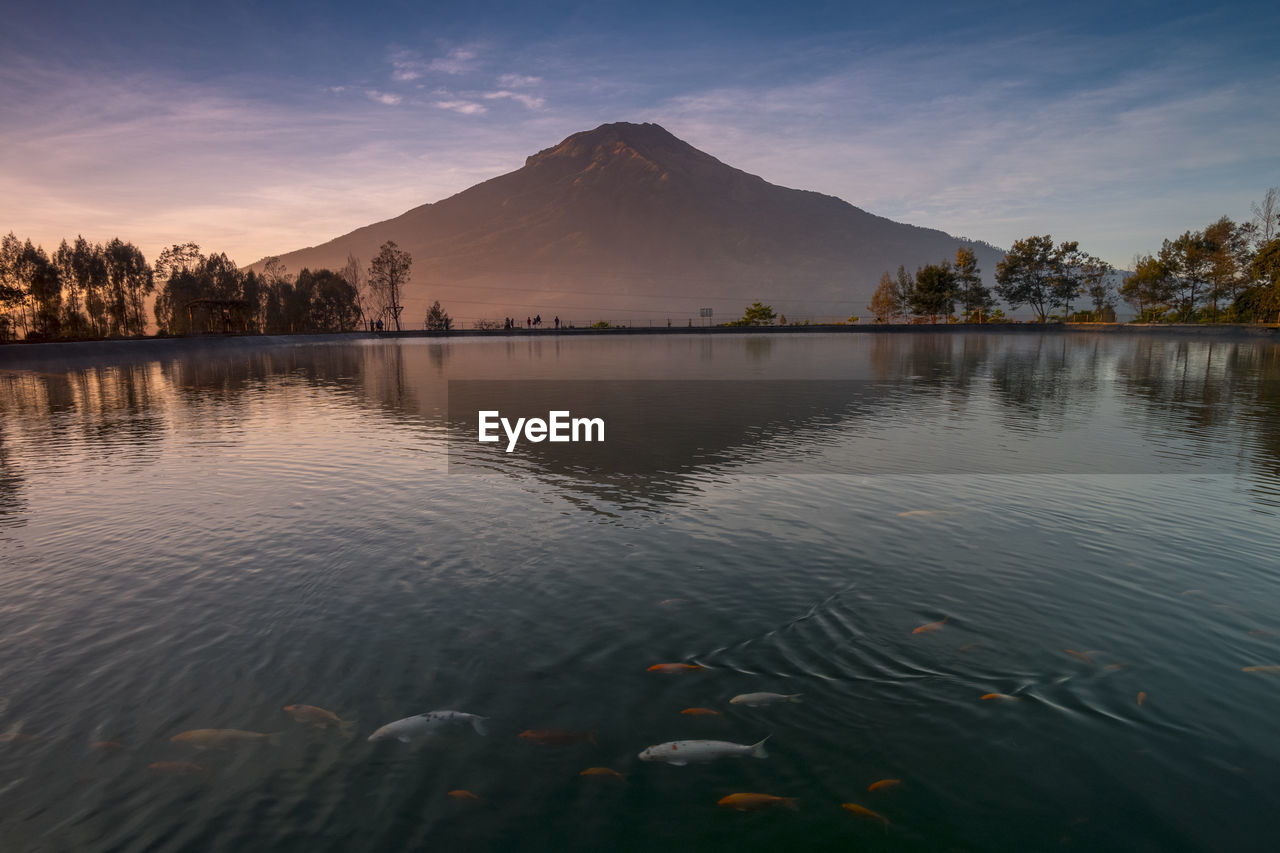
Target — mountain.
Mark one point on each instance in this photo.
(627, 223)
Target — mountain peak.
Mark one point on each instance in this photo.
(649, 144)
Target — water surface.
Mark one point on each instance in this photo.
(197, 538)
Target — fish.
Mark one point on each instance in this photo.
(701, 712)
(463, 794)
(755, 700)
(1081, 656)
(682, 752)
(106, 745)
(428, 724)
(1266, 669)
(673, 667)
(884, 783)
(863, 811)
(319, 717)
(672, 602)
(755, 802)
(602, 771)
(19, 737)
(557, 737)
(931, 626)
(1261, 632)
(1001, 696)
(1142, 697)
(178, 768)
(223, 738)
(1115, 667)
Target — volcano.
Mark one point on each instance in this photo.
(627, 223)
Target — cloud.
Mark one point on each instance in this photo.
(533, 103)
(459, 60)
(517, 81)
(466, 108)
(388, 98)
(407, 66)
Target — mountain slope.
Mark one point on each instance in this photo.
(630, 224)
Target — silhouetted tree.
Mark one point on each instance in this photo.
(437, 320)
(388, 274)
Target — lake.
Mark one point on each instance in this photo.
(196, 535)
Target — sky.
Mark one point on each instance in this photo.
(256, 129)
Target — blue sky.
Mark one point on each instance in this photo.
(256, 129)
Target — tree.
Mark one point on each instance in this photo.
(974, 296)
(934, 292)
(1265, 268)
(355, 277)
(906, 286)
(437, 320)
(13, 293)
(388, 274)
(129, 280)
(884, 302)
(1266, 217)
(44, 288)
(1038, 274)
(756, 314)
(1148, 288)
(332, 300)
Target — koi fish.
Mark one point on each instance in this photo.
(463, 794)
(931, 626)
(672, 602)
(177, 768)
(426, 724)
(1001, 697)
(1114, 667)
(106, 745)
(863, 811)
(682, 752)
(557, 737)
(701, 712)
(755, 700)
(1142, 697)
(319, 717)
(673, 667)
(602, 771)
(1261, 632)
(755, 802)
(223, 738)
(1081, 656)
(1267, 669)
(884, 783)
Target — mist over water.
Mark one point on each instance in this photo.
(199, 538)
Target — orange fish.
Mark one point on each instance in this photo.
(1079, 656)
(673, 667)
(178, 768)
(701, 712)
(19, 737)
(1261, 632)
(1001, 696)
(882, 784)
(557, 737)
(319, 717)
(1114, 667)
(1268, 669)
(602, 771)
(863, 811)
(462, 794)
(754, 802)
(106, 745)
(932, 626)
(1142, 697)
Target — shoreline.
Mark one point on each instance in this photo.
(18, 352)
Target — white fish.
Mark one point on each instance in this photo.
(426, 724)
(682, 752)
(755, 700)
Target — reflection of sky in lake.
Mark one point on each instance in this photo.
(198, 538)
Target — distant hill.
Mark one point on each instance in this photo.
(627, 223)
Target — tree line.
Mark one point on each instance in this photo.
(1227, 272)
(87, 290)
